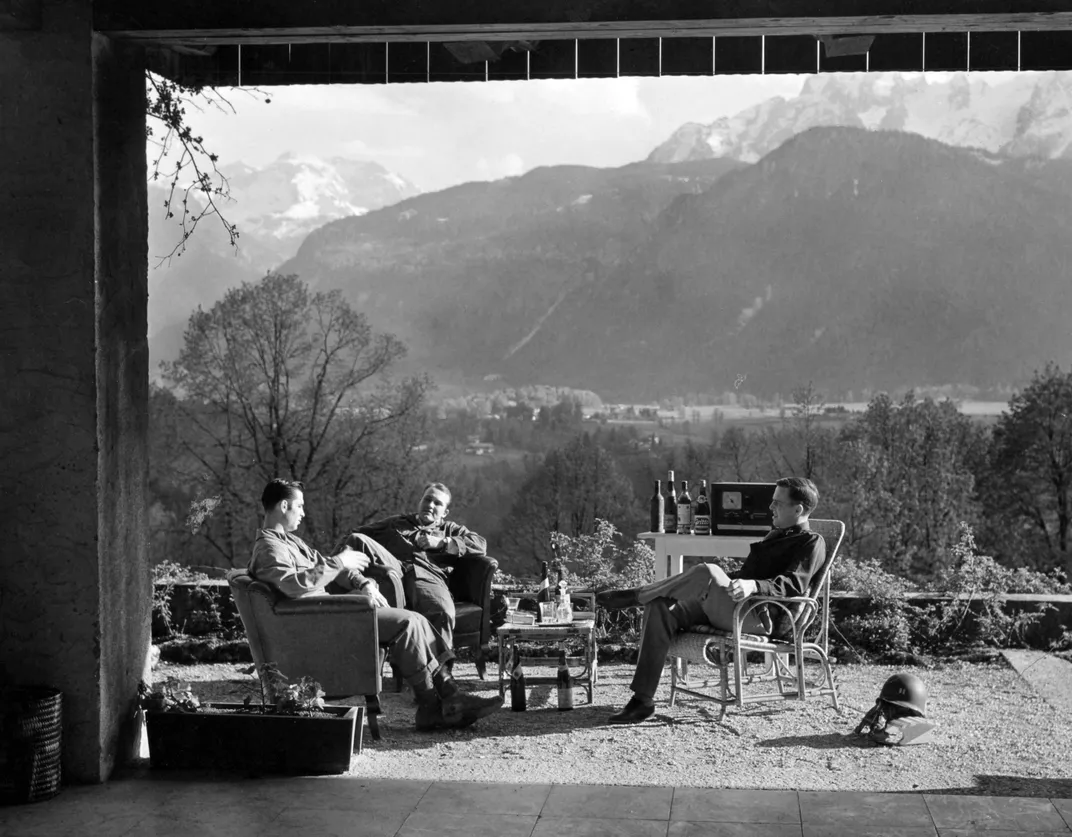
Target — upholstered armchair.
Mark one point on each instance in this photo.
(333, 639)
(470, 587)
(469, 584)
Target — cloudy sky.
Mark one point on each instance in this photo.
(437, 135)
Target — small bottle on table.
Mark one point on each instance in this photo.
(565, 683)
(518, 698)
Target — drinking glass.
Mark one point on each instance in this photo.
(512, 603)
(547, 612)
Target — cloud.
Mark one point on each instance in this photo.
(354, 148)
(348, 99)
(495, 92)
(591, 97)
(508, 165)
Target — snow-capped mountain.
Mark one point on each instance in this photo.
(275, 208)
(294, 195)
(1027, 115)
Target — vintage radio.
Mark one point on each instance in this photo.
(741, 508)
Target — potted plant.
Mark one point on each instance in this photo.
(291, 731)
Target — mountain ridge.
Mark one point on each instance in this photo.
(1026, 116)
(936, 229)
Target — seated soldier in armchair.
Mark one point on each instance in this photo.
(296, 570)
(427, 545)
(782, 564)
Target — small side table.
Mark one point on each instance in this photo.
(549, 634)
(670, 549)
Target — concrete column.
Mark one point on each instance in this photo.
(74, 584)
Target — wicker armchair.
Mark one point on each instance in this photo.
(722, 649)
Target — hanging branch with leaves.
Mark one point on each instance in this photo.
(196, 186)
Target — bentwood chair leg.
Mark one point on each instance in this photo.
(830, 682)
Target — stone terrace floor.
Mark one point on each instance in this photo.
(172, 804)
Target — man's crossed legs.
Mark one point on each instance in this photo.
(698, 596)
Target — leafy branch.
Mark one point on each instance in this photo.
(182, 160)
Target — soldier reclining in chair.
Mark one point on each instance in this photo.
(782, 564)
(298, 571)
(427, 545)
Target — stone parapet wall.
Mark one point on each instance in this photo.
(1049, 628)
(188, 609)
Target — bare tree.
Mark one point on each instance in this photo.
(567, 491)
(739, 449)
(275, 381)
(796, 447)
(1028, 491)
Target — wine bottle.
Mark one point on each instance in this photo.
(565, 683)
(543, 593)
(518, 701)
(670, 513)
(684, 510)
(658, 508)
(701, 522)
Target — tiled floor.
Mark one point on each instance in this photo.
(170, 805)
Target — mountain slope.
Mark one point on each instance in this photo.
(468, 276)
(850, 257)
(856, 259)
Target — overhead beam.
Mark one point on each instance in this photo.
(20, 14)
(380, 63)
(287, 21)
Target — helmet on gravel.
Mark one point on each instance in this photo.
(908, 692)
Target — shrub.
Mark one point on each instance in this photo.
(207, 601)
(979, 578)
(597, 562)
(867, 578)
(973, 615)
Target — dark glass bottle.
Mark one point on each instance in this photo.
(518, 700)
(658, 508)
(684, 510)
(701, 522)
(543, 594)
(670, 512)
(565, 684)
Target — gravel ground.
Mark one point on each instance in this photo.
(996, 736)
(1048, 675)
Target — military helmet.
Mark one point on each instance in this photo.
(907, 691)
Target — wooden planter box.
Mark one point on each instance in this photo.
(235, 738)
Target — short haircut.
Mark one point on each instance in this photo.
(801, 491)
(437, 486)
(279, 490)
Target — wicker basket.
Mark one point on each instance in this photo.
(31, 721)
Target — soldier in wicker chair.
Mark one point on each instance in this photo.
(782, 564)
